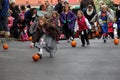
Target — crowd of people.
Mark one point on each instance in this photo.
(51, 23)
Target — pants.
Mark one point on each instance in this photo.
(104, 28)
(3, 24)
(68, 32)
(84, 36)
(118, 32)
(111, 35)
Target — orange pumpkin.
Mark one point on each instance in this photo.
(35, 57)
(116, 41)
(73, 43)
(30, 38)
(97, 33)
(5, 46)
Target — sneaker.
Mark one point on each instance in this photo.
(47, 49)
(104, 40)
(71, 38)
(7, 34)
(51, 55)
(83, 45)
(40, 55)
(88, 43)
(68, 40)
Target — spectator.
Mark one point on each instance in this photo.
(17, 9)
(42, 11)
(21, 24)
(10, 21)
(89, 12)
(23, 9)
(118, 20)
(14, 12)
(49, 8)
(59, 6)
(4, 6)
(84, 4)
(28, 7)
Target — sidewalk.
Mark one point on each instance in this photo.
(4, 40)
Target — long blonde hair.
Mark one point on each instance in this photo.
(80, 12)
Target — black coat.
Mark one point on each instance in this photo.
(59, 8)
(118, 14)
(89, 17)
(85, 3)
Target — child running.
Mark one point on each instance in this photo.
(83, 26)
(45, 37)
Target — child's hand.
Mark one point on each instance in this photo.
(69, 21)
(64, 22)
(18, 25)
(31, 23)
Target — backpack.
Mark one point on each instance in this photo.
(1, 1)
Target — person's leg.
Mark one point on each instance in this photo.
(82, 38)
(104, 32)
(2, 31)
(118, 32)
(71, 34)
(1, 25)
(53, 49)
(5, 21)
(86, 37)
(111, 35)
(67, 32)
(40, 52)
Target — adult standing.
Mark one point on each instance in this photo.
(49, 8)
(59, 6)
(68, 19)
(4, 6)
(14, 12)
(89, 14)
(84, 4)
(118, 20)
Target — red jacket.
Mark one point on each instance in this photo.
(10, 21)
(82, 24)
(110, 27)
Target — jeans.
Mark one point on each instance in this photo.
(3, 24)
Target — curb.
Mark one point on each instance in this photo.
(4, 40)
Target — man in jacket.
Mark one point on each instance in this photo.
(3, 16)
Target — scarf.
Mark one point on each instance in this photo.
(89, 12)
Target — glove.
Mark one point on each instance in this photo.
(69, 21)
(64, 22)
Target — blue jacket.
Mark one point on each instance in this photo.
(5, 7)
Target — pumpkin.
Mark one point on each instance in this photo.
(5, 46)
(30, 38)
(116, 41)
(73, 43)
(35, 57)
(96, 33)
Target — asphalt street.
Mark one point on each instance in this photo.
(98, 61)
